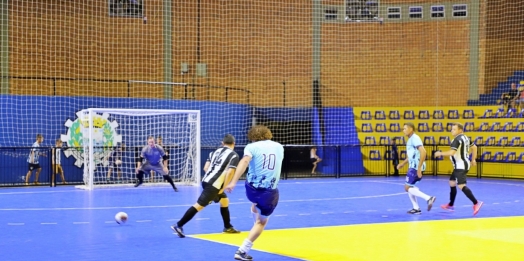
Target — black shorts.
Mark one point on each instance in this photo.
(34, 166)
(209, 194)
(459, 175)
(313, 160)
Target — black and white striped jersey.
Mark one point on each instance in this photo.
(461, 144)
(221, 160)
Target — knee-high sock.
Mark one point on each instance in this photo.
(170, 180)
(413, 201)
(140, 176)
(415, 191)
(452, 195)
(469, 194)
(225, 217)
(190, 213)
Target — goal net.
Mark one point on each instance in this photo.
(112, 140)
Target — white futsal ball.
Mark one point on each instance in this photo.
(121, 217)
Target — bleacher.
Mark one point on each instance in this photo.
(497, 135)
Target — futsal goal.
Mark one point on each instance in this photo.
(111, 141)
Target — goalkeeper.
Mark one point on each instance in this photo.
(152, 156)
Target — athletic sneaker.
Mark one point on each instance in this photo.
(447, 207)
(239, 255)
(138, 183)
(477, 207)
(175, 188)
(415, 211)
(230, 230)
(178, 230)
(430, 202)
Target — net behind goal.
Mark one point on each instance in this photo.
(111, 141)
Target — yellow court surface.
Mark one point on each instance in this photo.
(498, 239)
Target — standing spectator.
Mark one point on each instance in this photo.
(115, 162)
(395, 156)
(509, 98)
(314, 158)
(33, 160)
(57, 162)
(264, 158)
(520, 99)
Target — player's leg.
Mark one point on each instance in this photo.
(160, 169)
(37, 174)
(109, 171)
(151, 176)
(224, 212)
(61, 171)
(411, 180)
(461, 180)
(314, 162)
(140, 175)
(208, 194)
(53, 175)
(28, 174)
(452, 192)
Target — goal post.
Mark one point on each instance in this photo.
(112, 140)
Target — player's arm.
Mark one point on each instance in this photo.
(206, 167)
(473, 153)
(242, 166)
(454, 147)
(229, 176)
(401, 164)
(422, 152)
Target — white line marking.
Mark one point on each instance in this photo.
(280, 215)
(142, 221)
(496, 203)
(326, 213)
(371, 210)
(110, 222)
(517, 200)
(15, 224)
(305, 214)
(202, 218)
(349, 212)
(171, 220)
(80, 223)
(392, 209)
(48, 223)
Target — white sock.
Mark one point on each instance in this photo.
(246, 246)
(415, 191)
(413, 201)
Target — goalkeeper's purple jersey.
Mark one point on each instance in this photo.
(153, 155)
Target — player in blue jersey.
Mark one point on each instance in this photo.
(416, 156)
(152, 154)
(264, 158)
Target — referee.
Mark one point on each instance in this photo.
(459, 154)
(220, 168)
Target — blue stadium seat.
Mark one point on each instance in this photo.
(511, 157)
(437, 127)
(515, 141)
(381, 127)
(483, 127)
(519, 127)
(423, 114)
(366, 127)
(511, 113)
(409, 115)
(394, 115)
(521, 157)
(423, 127)
(479, 140)
(429, 140)
(453, 114)
(503, 141)
(401, 140)
(495, 126)
(498, 114)
(365, 115)
(490, 141)
(468, 114)
(403, 155)
(384, 140)
(487, 114)
(508, 126)
(486, 156)
(394, 127)
(374, 155)
(438, 114)
(443, 140)
(469, 126)
(449, 125)
(521, 114)
(380, 115)
(498, 156)
(370, 141)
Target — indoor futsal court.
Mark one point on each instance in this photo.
(360, 218)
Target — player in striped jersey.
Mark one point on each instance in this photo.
(57, 162)
(416, 157)
(220, 168)
(33, 160)
(459, 155)
(264, 158)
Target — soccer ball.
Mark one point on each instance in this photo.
(121, 217)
